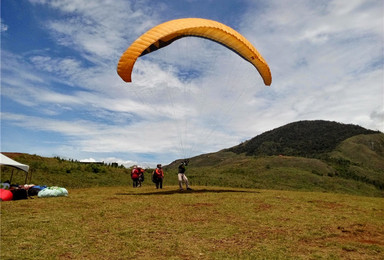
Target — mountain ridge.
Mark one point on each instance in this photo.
(301, 138)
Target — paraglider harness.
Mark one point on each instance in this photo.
(141, 177)
(137, 175)
(155, 176)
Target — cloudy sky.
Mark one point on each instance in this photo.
(61, 95)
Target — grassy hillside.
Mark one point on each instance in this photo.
(277, 172)
(225, 169)
(364, 150)
(65, 173)
(360, 158)
(354, 166)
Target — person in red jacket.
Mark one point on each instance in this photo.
(158, 176)
(141, 176)
(135, 174)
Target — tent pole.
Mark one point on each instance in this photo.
(26, 177)
(10, 181)
(30, 177)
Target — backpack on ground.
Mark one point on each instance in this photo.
(19, 194)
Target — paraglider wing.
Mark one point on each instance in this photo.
(165, 33)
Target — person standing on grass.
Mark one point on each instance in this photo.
(135, 174)
(141, 176)
(181, 175)
(158, 176)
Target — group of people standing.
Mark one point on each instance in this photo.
(137, 175)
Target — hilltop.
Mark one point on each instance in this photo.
(304, 138)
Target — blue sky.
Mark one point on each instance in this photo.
(61, 95)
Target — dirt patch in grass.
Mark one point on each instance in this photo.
(198, 205)
(326, 204)
(360, 233)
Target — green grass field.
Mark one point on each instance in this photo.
(207, 223)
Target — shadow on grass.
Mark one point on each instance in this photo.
(170, 192)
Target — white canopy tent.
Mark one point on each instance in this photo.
(4, 160)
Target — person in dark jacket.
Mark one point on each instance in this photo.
(181, 175)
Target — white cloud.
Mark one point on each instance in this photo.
(97, 30)
(88, 160)
(3, 26)
(323, 60)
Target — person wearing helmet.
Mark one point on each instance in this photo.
(181, 175)
(158, 176)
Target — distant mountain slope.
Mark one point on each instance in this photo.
(303, 138)
(367, 150)
(361, 158)
(307, 155)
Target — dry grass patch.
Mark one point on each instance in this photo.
(207, 223)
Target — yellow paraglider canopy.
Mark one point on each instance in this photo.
(165, 33)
